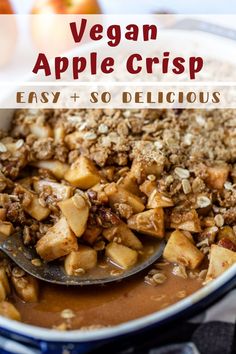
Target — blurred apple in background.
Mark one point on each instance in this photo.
(5, 7)
(8, 33)
(66, 7)
(51, 35)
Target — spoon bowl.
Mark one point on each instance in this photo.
(54, 273)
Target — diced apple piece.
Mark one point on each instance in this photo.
(226, 232)
(3, 293)
(76, 211)
(129, 183)
(6, 228)
(149, 222)
(59, 134)
(141, 168)
(208, 234)
(217, 176)
(126, 236)
(8, 310)
(227, 243)
(3, 213)
(34, 208)
(119, 195)
(40, 131)
(83, 173)
(181, 250)
(72, 140)
(57, 168)
(91, 234)
(147, 187)
(100, 194)
(25, 182)
(220, 260)
(108, 173)
(85, 258)
(121, 255)
(159, 200)
(4, 280)
(26, 287)
(11, 147)
(185, 220)
(61, 191)
(57, 242)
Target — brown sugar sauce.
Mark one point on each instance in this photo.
(106, 305)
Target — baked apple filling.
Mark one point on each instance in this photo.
(96, 190)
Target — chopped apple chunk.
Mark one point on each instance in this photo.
(124, 234)
(217, 176)
(8, 310)
(59, 133)
(76, 212)
(3, 213)
(117, 194)
(147, 187)
(61, 191)
(149, 222)
(4, 280)
(226, 232)
(141, 168)
(25, 182)
(185, 220)
(121, 255)
(83, 173)
(4, 285)
(181, 250)
(72, 140)
(100, 194)
(91, 234)
(34, 208)
(26, 287)
(159, 200)
(3, 293)
(84, 258)
(58, 241)
(220, 260)
(57, 168)
(6, 228)
(130, 184)
(41, 131)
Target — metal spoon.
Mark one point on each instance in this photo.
(54, 273)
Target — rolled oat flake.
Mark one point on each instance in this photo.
(228, 185)
(103, 128)
(182, 173)
(3, 148)
(203, 201)
(186, 186)
(219, 220)
(67, 314)
(90, 136)
(19, 143)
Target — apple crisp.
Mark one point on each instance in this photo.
(89, 188)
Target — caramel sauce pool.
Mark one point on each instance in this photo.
(106, 305)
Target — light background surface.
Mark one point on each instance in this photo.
(144, 6)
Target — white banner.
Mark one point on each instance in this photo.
(118, 61)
